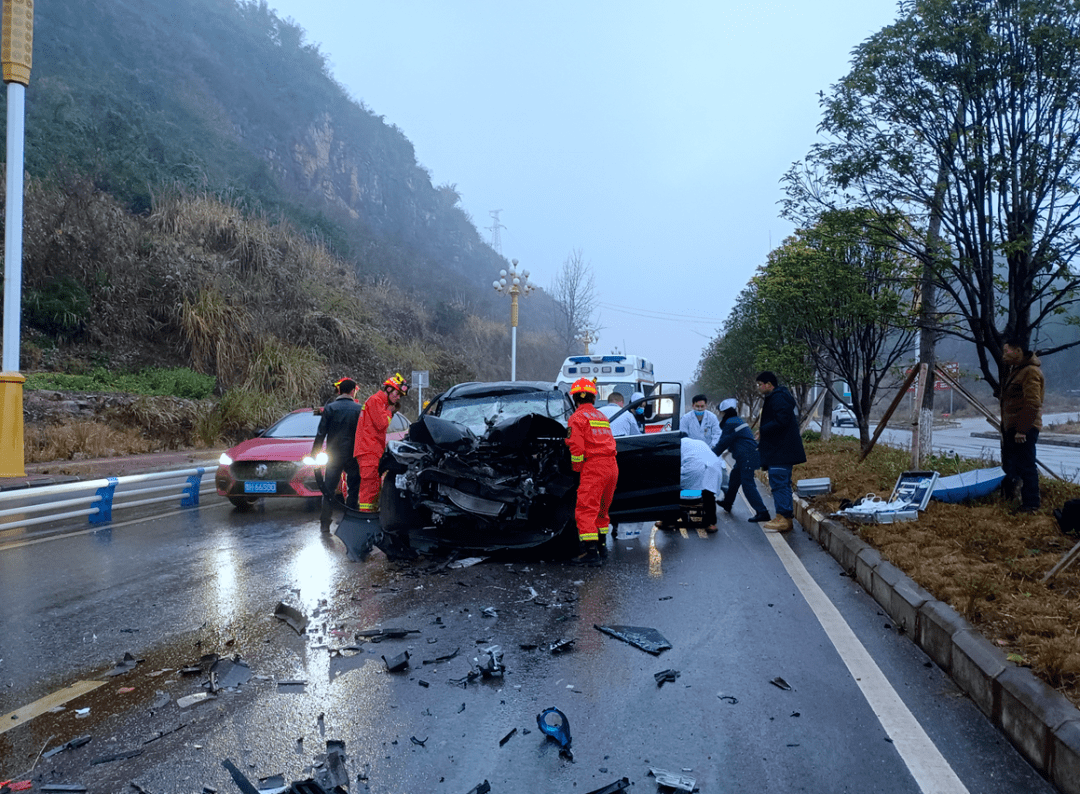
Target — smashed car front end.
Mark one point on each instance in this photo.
(509, 488)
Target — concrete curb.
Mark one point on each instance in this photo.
(1039, 721)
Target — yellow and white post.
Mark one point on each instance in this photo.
(16, 53)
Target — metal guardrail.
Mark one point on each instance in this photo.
(101, 502)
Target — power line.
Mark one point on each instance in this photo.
(659, 315)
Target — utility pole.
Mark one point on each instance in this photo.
(496, 238)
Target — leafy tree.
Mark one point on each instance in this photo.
(845, 293)
(755, 337)
(970, 110)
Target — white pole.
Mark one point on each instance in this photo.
(513, 352)
(13, 223)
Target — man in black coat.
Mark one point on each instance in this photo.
(780, 446)
(338, 427)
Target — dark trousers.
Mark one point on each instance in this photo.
(1018, 462)
(742, 475)
(331, 478)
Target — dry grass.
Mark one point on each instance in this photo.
(81, 439)
(981, 558)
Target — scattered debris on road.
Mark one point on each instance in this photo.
(679, 782)
(649, 640)
(554, 724)
(781, 683)
(396, 664)
(124, 665)
(729, 698)
(613, 788)
(666, 675)
(507, 738)
(292, 616)
(78, 741)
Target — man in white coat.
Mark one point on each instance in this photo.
(700, 423)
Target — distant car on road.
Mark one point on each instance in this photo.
(272, 463)
(842, 415)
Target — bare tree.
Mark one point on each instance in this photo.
(574, 293)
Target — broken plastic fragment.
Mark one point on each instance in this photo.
(482, 788)
(78, 741)
(230, 673)
(506, 738)
(73, 788)
(466, 562)
(335, 777)
(292, 616)
(673, 780)
(613, 788)
(275, 784)
(555, 724)
(729, 698)
(492, 666)
(647, 639)
(194, 700)
(397, 663)
(562, 645)
(124, 665)
(781, 683)
(666, 675)
(81, 713)
(360, 532)
(416, 741)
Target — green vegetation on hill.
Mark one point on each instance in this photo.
(203, 194)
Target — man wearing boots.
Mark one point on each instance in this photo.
(780, 446)
(592, 454)
(1021, 420)
(337, 426)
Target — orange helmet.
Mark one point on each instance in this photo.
(396, 381)
(583, 386)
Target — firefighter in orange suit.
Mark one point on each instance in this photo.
(592, 453)
(371, 438)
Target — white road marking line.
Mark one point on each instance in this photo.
(927, 765)
(23, 715)
(20, 543)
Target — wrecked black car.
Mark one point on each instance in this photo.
(486, 467)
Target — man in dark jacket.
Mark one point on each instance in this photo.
(780, 445)
(736, 436)
(338, 428)
(1021, 420)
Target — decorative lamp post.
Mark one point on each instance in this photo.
(513, 283)
(16, 50)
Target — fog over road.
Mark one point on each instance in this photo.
(740, 609)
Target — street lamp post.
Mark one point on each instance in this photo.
(16, 50)
(513, 283)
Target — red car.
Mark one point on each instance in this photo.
(272, 464)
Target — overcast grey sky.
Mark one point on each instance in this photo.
(650, 136)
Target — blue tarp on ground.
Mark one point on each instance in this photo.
(968, 485)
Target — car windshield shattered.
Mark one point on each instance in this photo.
(480, 413)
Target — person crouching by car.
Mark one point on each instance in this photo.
(592, 454)
(337, 427)
(371, 438)
(736, 436)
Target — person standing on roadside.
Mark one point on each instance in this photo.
(701, 423)
(592, 454)
(780, 446)
(1021, 420)
(337, 427)
(737, 437)
(371, 438)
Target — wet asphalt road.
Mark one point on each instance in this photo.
(207, 581)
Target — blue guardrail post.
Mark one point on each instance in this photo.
(191, 490)
(104, 513)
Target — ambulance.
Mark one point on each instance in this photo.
(627, 374)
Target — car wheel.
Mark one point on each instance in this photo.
(243, 502)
